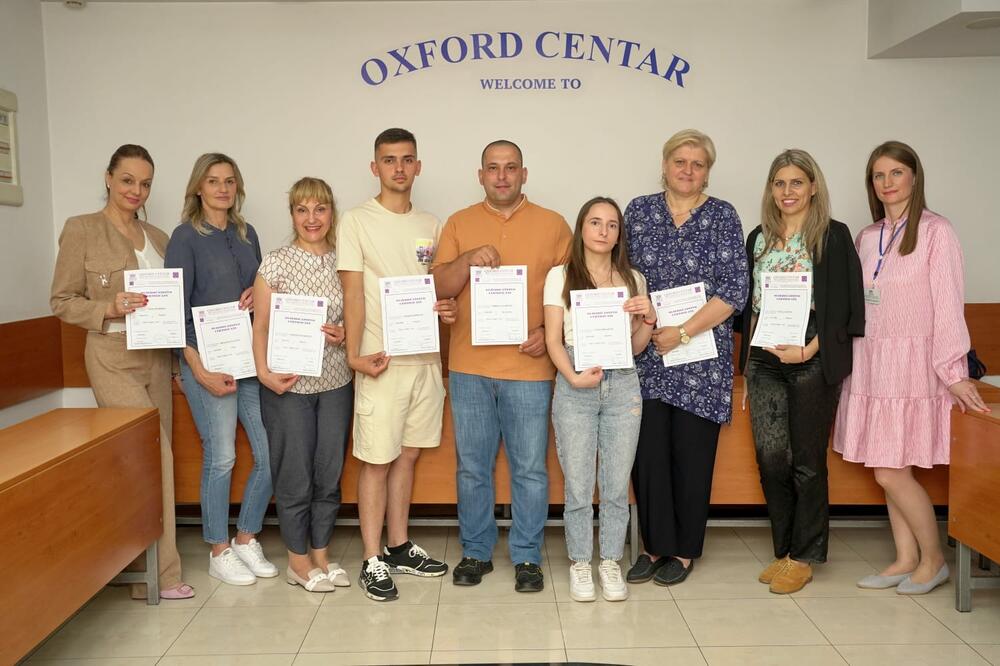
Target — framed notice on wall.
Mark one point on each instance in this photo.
(10, 179)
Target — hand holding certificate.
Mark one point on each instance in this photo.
(160, 324)
(602, 330)
(295, 340)
(499, 305)
(785, 301)
(673, 308)
(409, 322)
(224, 339)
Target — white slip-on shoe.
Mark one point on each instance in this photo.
(252, 555)
(613, 587)
(318, 581)
(581, 582)
(337, 575)
(229, 568)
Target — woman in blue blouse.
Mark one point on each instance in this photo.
(679, 237)
(219, 253)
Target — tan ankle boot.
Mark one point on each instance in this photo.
(772, 570)
(792, 578)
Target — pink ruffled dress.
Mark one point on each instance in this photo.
(895, 408)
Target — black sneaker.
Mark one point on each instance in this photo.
(528, 578)
(376, 582)
(673, 572)
(413, 560)
(644, 569)
(470, 571)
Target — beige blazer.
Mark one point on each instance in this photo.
(90, 268)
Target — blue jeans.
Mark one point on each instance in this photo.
(215, 419)
(597, 430)
(483, 411)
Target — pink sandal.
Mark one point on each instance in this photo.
(182, 591)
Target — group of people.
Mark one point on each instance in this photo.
(884, 357)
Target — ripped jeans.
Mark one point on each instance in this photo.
(597, 430)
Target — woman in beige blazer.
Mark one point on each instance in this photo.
(88, 290)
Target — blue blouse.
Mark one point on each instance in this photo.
(707, 248)
(218, 267)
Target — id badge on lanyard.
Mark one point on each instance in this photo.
(873, 295)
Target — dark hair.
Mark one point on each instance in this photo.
(395, 135)
(502, 142)
(902, 153)
(577, 275)
(126, 151)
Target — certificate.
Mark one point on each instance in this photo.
(673, 308)
(160, 324)
(602, 330)
(499, 305)
(295, 341)
(785, 299)
(223, 334)
(409, 323)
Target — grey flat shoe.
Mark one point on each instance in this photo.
(876, 582)
(909, 587)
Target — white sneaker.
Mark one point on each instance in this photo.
(229, 568)
(613, 587)
(252, 556)
(581, 582)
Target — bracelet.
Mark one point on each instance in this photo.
(649, 323)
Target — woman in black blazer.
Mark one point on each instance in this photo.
(793, 390)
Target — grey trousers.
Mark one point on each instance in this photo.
(307, 437)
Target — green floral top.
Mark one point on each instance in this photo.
(793, 258)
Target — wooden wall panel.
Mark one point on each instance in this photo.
(74, 339)
(30, 359)
(983, 320)
(975, 490)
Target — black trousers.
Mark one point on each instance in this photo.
(672, 478)
(791, 413)
(307, 438)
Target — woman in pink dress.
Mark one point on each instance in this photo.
(910, 368)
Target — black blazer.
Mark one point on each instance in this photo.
(840, 302)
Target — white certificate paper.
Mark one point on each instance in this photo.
(673, 308)
(409, 323)
(602, 332)
(785, 299)
(223, 334)
(160, 324)
(499, 305)
(295, 341)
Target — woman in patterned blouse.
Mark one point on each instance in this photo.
(306, 418)
(679, 237)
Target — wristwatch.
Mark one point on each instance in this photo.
(685, 338)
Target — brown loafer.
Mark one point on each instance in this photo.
(792, 578)
(772, 570)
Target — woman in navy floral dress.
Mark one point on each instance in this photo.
(679, 237)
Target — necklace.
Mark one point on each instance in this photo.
(606, 281)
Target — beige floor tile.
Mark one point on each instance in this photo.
(758, 540)
(726, 578)
(626, 624)
(498, 656)
(875, 544)
(747, 622)
(265, 592)
(990, 652)
(97, 634)
(773, 655)
(104, 661)
(911, 655)
(117, 597)
(682, 656)
(982, 625)
(497, 588)
(839, 579)
(501, 551)
(230, 660)
(251, 630)
(412, 590)
(497, 627)
(637, 592)
(724, 542)
(883, 620)
(386, 626)
(359, 658)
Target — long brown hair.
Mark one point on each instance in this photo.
(193, 214)
(817, 218)
(577, 275)
(902, 153)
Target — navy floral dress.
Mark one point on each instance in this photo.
(707, 248)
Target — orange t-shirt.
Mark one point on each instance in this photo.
(533, 236)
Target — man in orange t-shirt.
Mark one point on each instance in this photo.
(500, 391)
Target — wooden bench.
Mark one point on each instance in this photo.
(973, 497)
(79, 500)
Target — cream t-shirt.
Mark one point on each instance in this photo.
(555, 282)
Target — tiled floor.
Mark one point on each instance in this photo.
(720, 615)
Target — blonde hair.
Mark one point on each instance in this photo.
(817, 218)
(689, 137)
(193, 213)
(314, 189)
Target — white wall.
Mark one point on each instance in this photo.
(26, 237)
(277, 87)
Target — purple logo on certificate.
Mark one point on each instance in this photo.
(519, 271)
(277, 306)
(387, 290)
(427, 280)
(697, 290)
(477, 278)
(319, 304)
(621, 294)
(804, 278)
(578, 303)
(175, 274)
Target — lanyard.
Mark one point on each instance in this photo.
(883, 252)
